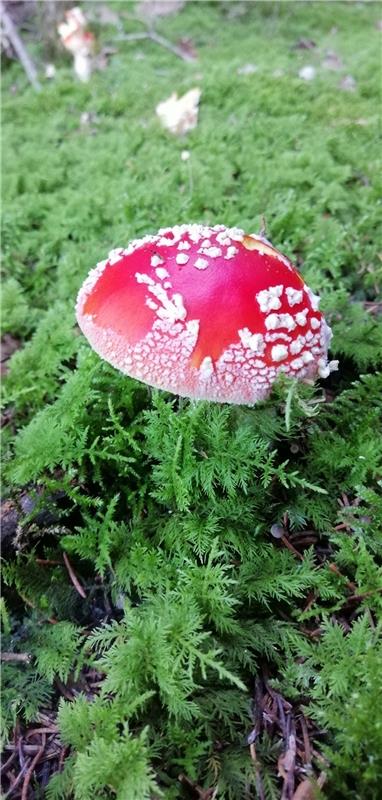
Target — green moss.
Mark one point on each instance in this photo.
(166, 508)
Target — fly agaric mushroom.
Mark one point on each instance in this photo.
(204, 312)
(78, 41)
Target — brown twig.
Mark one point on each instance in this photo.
(9, 761)
(46, 719)
(276, 696)
(28, 776)
(38, 731)
(63, 689)
(203, 794)
(305, 736)
(281, 718)
(349, 584)
(300, 537)
(373, 307)
(23, 658)
(62, 757)
(259, 782)
(309, 602)
(286, 765)
(73, 576)
(263, 227)
(15, 783)
(311, 634)
(320, 757)
(321, 779)
(290, 547)
(357, 598)
(29, 749)
(21, 752)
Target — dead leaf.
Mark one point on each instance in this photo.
(50, 71)
(102, 59)
(180, 115)
(187, 47)
(304, 791)
(307, 789)
(287, 760)
(307, 73)
(304, 44)
(332, 61)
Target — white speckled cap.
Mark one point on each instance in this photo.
(204, 312)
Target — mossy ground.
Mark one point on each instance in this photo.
(165, 509)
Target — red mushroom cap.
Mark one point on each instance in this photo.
(206, 313)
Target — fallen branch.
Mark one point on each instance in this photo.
(158, 39)
(173, 48)
(12, 34)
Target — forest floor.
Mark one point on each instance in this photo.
(193, 593)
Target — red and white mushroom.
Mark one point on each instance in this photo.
(204, 312)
